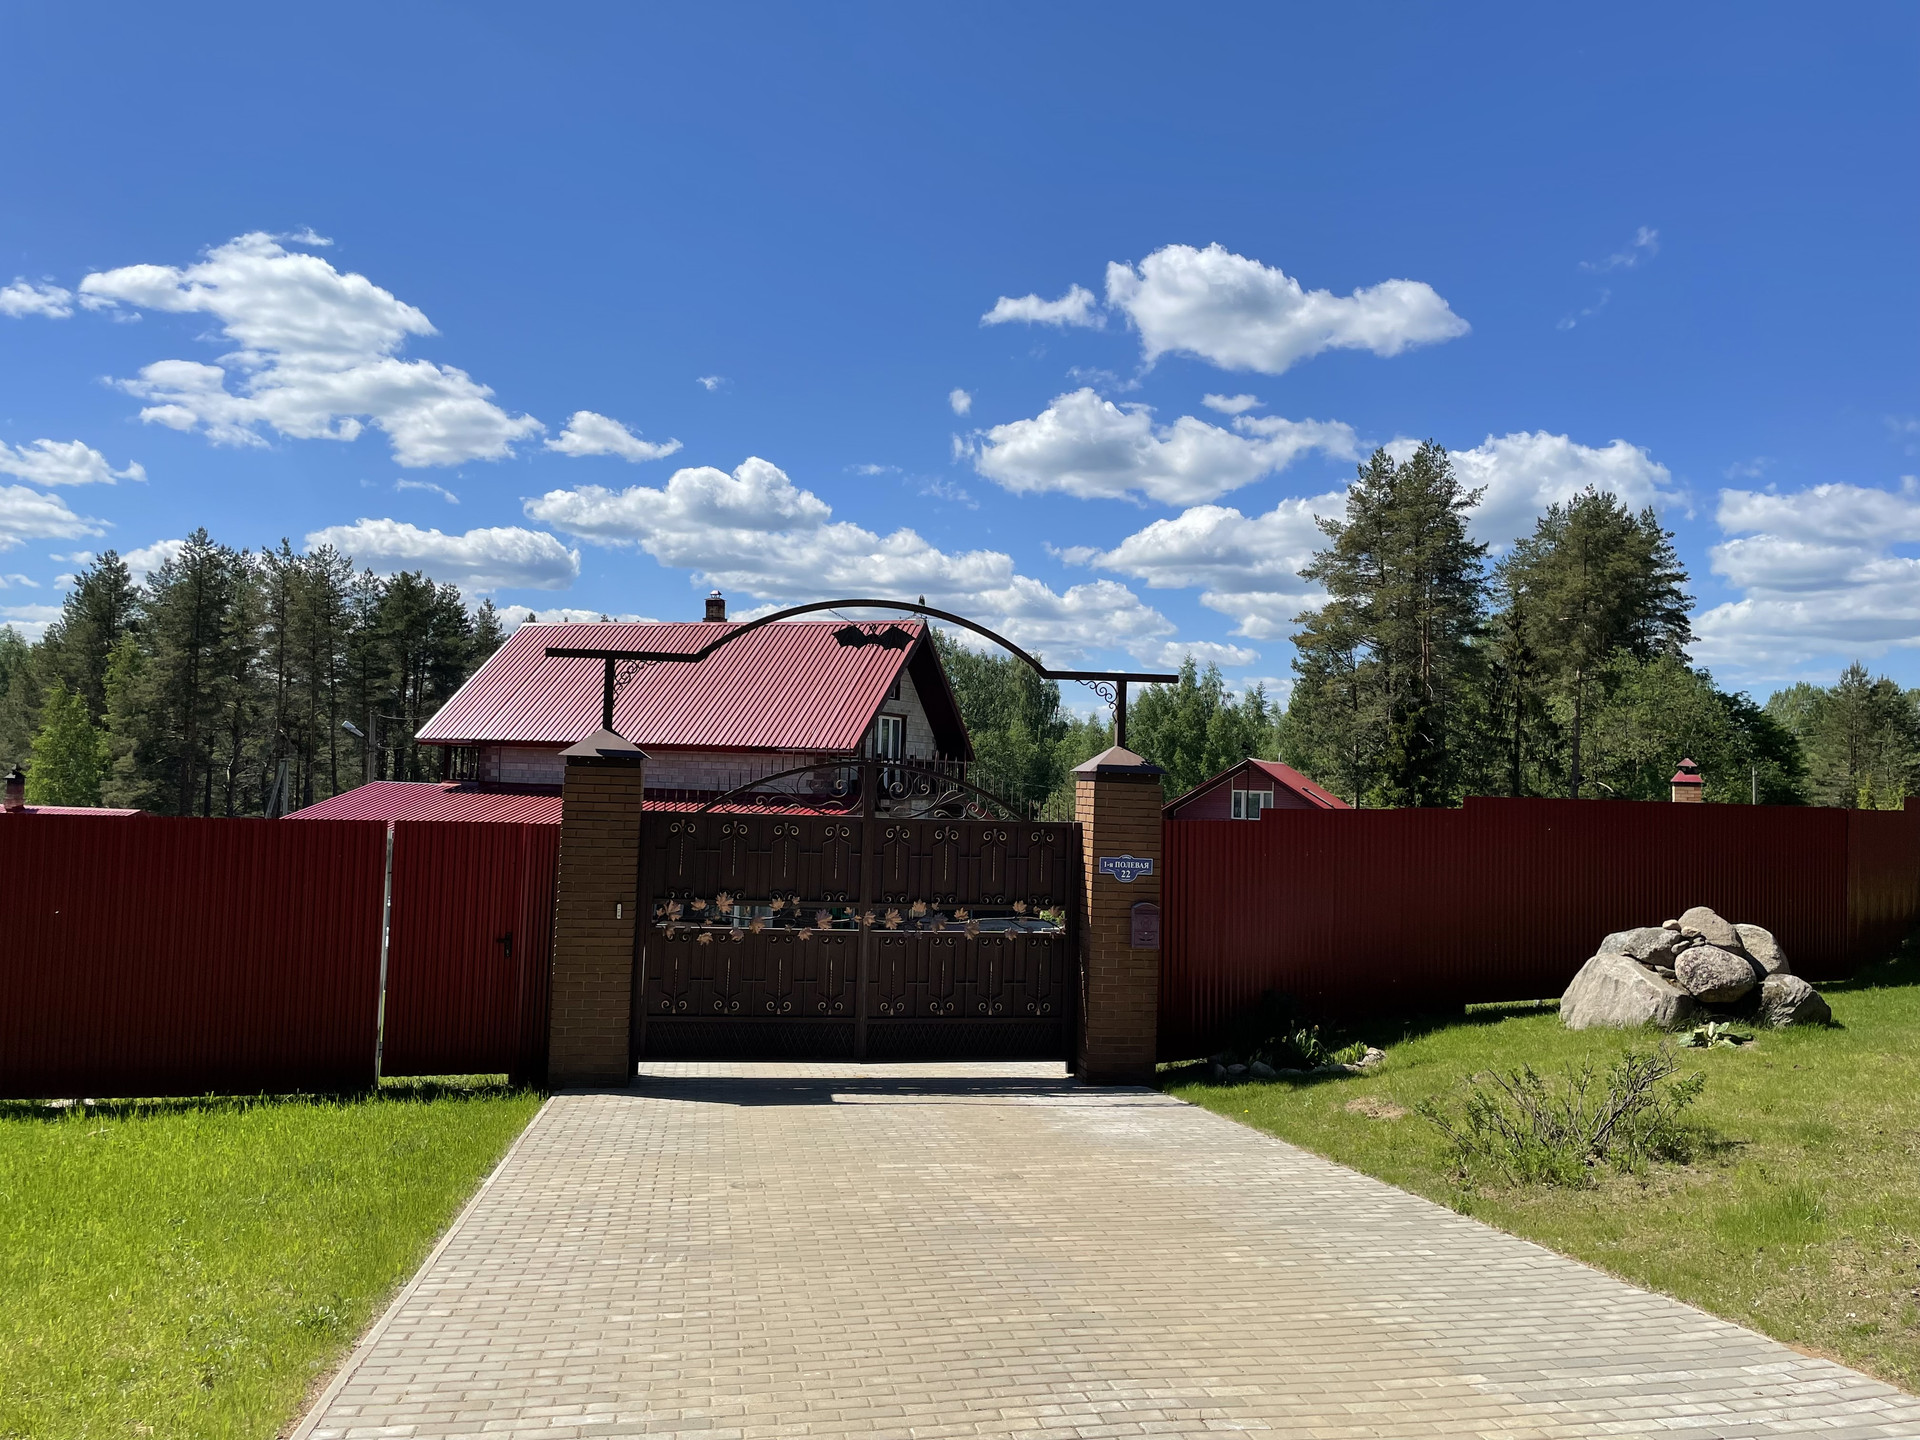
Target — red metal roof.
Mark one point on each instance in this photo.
(789, 686)
(71, 810)
(412, 800)
(1291, 778)
(406, 800)
(1316, 795)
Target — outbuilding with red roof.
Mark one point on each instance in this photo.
(1247, 790)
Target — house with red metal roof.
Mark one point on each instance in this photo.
(784, 696)
(1249, 789)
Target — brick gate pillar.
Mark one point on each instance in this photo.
(1117, 802)
(596, 913)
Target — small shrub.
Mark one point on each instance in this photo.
(1273, 1031)
(1523, 1129)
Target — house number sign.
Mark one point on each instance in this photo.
(1125, 868)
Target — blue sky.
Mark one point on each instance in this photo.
(622, 303)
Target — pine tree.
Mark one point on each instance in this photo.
(19, 693)
(67, 753)
(96, 613)
(179, 727)
(1593, 580)
(1382, 664)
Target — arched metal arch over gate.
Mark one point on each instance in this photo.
(893, 912)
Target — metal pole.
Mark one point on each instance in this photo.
(386, 923)
(863, 964)
(606, 698)
(1120, 713)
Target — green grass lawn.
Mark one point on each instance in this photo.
(189, 1268)
(1798, 1216)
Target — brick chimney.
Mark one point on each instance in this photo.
(16, 789)
(1688, 787)
(717, 608)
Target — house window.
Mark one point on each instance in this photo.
(1247, 804)
(889, 737)
(893, 692)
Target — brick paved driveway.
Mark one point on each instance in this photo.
(989, 1250)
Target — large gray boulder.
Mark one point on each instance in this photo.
(1710, 927)
(1763, 949)
(1715, 976)
(1650, 945)
(1616, 990)
(1788, 1000)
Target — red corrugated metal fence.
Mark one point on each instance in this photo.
(152, 956)
(469, 947)
(163, 957)
(1398, 910)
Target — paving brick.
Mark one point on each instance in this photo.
(968, 1250)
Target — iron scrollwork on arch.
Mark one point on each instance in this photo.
(900, 790)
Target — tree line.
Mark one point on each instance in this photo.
(185, 693)
(1434, 671)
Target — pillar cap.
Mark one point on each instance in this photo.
(605, 747)
(1115, 763)
(1687, 774)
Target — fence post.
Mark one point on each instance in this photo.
(596, 912)
(1117, 802)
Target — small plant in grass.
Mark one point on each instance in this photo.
(1521, 1128)
(1717, 1032)
(1274, 1032)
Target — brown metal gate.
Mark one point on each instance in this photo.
(907, 921)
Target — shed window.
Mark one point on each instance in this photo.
(889, 737)
(1247, 804)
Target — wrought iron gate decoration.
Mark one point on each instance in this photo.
(893, 912)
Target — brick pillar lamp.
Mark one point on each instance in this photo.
(595, 913)
(1689, 787)
(1117, 801)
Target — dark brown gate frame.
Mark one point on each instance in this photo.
(1109, 685)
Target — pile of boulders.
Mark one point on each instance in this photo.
(1687, 972)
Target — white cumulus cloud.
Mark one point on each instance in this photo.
(29, 515)
(492, 558)
(1088, 446)
(1076, 307)
(63, 462)
(1242, 315)
(1525, 472)
(1819, 575)
(591, 434)
(753, 530)
(1248, 565)
(30, 620)
(26, 297)
(149, 558)
(316, 358)
(960, 401)
(1231, 404)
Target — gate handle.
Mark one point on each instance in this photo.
(506, 940)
